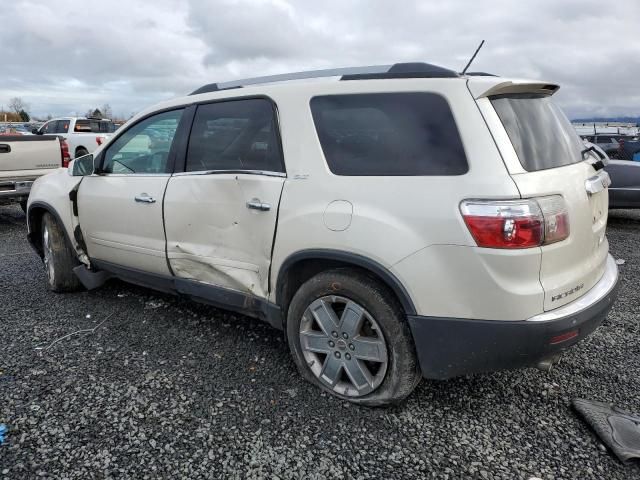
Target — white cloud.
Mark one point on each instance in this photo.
(70, 55)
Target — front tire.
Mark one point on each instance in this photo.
(348, 335)
(58, 256)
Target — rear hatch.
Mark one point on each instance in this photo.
(551, 162)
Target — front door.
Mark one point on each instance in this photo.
(120, 209)
(220, 213)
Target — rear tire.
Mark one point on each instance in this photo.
(369, 357)
(58, 256)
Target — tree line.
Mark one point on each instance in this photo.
(18, 112)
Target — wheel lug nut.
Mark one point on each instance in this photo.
(347, 356)
(331, 344)
(335, 334)
(351, 347)
(344, 335)
(337, 354)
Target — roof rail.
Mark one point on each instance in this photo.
(397, 70)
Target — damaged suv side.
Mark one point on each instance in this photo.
(397, 222)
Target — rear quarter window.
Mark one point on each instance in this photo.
(541, 135)
(389, 134)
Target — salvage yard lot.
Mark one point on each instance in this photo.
(164, 387)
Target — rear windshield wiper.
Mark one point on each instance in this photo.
(598, 165)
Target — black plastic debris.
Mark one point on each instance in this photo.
(619, 430)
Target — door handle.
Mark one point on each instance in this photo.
(256, 204)
(4, 148)
(144, 198)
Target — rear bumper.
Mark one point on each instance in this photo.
(449, 347)
(15, 189)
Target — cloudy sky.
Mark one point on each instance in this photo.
(65, 56)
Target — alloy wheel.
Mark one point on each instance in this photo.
(343, 346)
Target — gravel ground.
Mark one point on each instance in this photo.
(159, 387)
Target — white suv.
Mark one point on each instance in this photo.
(397, 222)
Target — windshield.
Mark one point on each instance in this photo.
(539, 131)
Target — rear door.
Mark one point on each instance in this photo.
(120, 210)
(550, 162)
(221, 211)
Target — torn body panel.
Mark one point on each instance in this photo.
(214, 236)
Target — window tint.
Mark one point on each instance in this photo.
(143, 148)
(93, 126)
(235, 135)
(389, 134)
(540, 133)
(49, 127)
(62, 126)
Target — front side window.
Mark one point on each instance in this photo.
(389, 134)
(49, 127)
(143, 148)
(235, 135)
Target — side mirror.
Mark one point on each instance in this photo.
(35, 131)
(82, 166)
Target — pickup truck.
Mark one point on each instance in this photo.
(24, 158)
(83, 135)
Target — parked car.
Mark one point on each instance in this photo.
(609, 142)
(624, 191)
(25, 158)
(83, 135)
(396, 222)
(628, 150)
(13, 129)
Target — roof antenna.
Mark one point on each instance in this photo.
(472, 58)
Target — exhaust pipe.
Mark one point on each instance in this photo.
(546, 364)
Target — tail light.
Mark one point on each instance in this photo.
(64, 150)
(516, 223)
(99, 140)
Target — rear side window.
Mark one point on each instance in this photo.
(540, 133)
(389, 134)
(62, 126)
(93, 126)
(235, 135)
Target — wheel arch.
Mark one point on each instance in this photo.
(301, 266)
(35, 213)
(79, 147)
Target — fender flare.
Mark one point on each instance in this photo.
(33, 241)
(350, 258)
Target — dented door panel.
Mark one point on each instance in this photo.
(212, 234)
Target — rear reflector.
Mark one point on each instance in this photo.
(516, 223)
(563, 337)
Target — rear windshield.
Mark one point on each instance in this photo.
(94, 126)
(389, 134)
(540, 133)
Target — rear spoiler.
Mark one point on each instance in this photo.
(488, 86)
